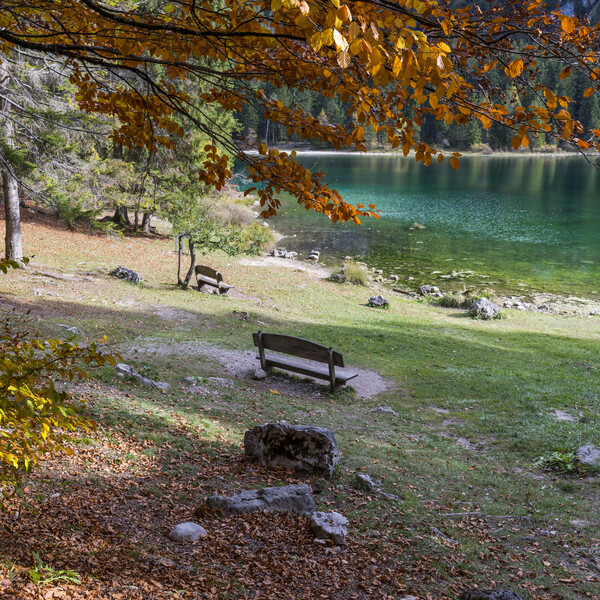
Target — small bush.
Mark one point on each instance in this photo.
(481, 148)
(355, 273)
(258, 238)
(231, 213)
(455, 301)
(563, 461)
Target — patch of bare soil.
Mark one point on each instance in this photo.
(243, 363)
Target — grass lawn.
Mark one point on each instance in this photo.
(477, 403)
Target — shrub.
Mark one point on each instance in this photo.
(232, 213)
(455, 301)
(258, 238)
(563, 461)
(355, 273)
(482, 148)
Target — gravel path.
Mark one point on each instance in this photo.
(243, 363)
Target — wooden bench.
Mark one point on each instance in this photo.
(314, 360)
(209, 276)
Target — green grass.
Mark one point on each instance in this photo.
(475, 402)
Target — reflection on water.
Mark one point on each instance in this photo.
(513, 218)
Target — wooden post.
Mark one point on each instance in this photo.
(261, 353)
(331, 371)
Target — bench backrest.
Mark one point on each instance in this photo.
(208, 272)
(288, 344)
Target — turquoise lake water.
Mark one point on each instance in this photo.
(518, 223)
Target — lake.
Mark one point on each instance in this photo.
(511, 223)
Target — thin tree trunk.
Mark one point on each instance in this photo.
(146, 218)
(13, 249)
(180, 243)
(192, 264)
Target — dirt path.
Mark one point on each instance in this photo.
(241, 364)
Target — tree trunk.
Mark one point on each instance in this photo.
(121, 216)
(179, 250)
(146, 218)
(192, 264)
(13, 249)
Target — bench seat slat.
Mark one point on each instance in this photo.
(310, 368)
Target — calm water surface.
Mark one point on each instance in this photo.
(518, 223)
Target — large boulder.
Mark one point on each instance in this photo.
(484, 309)
(301, 447)
(127, 274)
(289, 499)
(378, 302)
(330, 525)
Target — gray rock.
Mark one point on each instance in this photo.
(365, 482)
(302, 447)
(128, 371)
(477, 594)
(260, 374)
(588, 455)
(483, 309)
(289, 499)
(384, 409)
(330, 525)
(378, 302)
(70, 329)
(393, 278)
(283, 253)
(127, 274)
(187, 532)
(425, 290)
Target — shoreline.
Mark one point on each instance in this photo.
(447, 152)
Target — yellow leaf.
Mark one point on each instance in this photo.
(454, 163)
(568, 24)
(515, 68)
(316, 41)
(336, 3)
(550, 98)
(275, 392)
(262, 149)
(443, 46)
(515, 142)
(343, 59)
(354, 29)
(344, 13)
(588, 92)
(339, 40)
(397, 66)
(566, 72)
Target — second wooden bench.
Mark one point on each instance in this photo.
(212, 277)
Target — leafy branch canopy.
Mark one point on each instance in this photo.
(390, 61)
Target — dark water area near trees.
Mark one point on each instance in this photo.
(511, 223)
